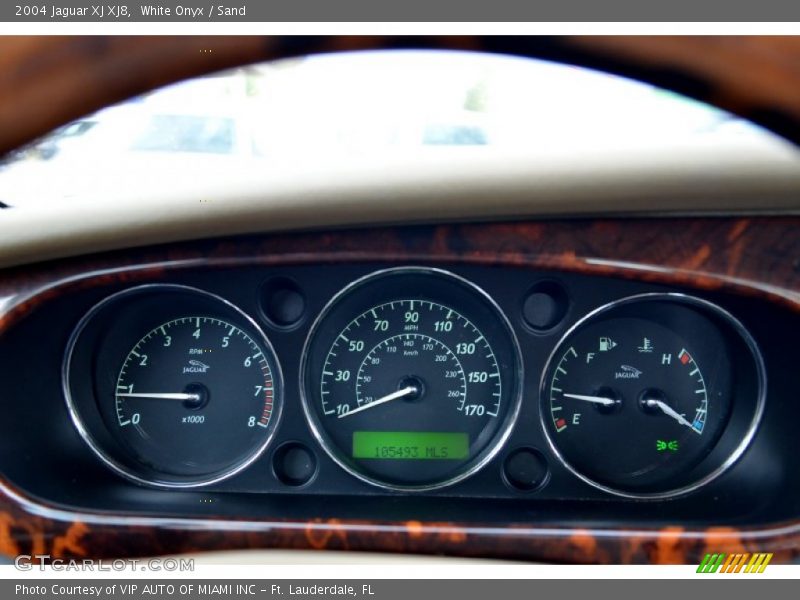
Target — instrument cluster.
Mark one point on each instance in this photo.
(415, 380)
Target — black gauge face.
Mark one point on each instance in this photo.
(637, 397)
(194, 396)
(186, 389)
(411, 378)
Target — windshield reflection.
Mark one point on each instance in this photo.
(339, 109)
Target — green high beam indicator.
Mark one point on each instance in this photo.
(410, 445)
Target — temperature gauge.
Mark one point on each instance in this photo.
(639, 394)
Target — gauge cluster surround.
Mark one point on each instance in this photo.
(236, 388)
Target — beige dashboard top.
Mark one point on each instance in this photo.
(694, 179)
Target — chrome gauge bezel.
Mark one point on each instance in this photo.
(105, 456)
(732, 458)
(515, 397)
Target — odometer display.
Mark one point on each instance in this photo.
(410, 445)
(411, 378)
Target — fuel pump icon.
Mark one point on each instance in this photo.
(607, 344)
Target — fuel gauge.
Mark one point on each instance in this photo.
(639, 395)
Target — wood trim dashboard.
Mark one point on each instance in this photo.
(746, 256)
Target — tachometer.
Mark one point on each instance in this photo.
(187, 390)
(411, 378)
(194, 396)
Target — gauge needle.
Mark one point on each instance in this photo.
(157, 396)
(401, 393)
(670, 412)
(595, 399)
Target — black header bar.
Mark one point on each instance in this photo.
(449, 11)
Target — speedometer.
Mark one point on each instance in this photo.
(411, 378)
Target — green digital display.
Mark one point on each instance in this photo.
(410, 445)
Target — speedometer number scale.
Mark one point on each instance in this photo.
(411, 366)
